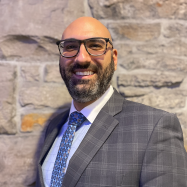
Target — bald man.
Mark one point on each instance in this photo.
(104, 140)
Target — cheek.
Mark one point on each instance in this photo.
(106, 61)
(61, 62)
(64, 62)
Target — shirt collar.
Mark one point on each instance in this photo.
(91, 111)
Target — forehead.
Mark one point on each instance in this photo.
(85, 29)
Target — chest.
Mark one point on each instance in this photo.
(119, 160)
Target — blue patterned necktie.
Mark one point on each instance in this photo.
(75, 120)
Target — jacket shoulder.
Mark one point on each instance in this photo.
(144, 114)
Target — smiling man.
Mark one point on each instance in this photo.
(103, 139)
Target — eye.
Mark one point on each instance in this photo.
(70, 46)
(96, 44)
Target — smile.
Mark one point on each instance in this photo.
(85, 73)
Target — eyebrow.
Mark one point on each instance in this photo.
(70, 39)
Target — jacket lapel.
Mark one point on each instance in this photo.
(99, 131)
(51, 134)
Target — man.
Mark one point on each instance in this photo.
(118, 142)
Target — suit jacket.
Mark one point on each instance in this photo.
(128, 145)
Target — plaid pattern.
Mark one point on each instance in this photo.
(128, 145)
(75, 120)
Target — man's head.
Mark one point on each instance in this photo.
(87, 77)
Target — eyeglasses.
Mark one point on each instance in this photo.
(94, 46)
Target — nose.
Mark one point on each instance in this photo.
(83, 55)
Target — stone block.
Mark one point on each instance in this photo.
(120, 9)
(7, 101)
(19, 155)
(150, 48)
(154, 63)
(34, 122)
(184, 86)
(52, 74)
(38, 18)
(166, 9)
(43, 25)
(165, 101)
(175, 30)
(123, 49)
(136, 9)
(110, 9)
(7, 123)
(29, 48)
(45, 96)
(172, 64)
(132, 62)
(7, 73)
(133, 91)
(176, 47)
(146, 80)
(135, 31)
(30, 73)
(181, 12)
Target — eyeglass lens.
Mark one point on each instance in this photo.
(94, 47)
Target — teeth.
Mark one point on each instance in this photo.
(84, 73)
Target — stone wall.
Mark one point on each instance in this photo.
(150, 36)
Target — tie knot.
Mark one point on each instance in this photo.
(76, 119)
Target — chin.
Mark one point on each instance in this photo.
(81, 87)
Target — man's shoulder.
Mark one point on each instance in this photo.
(139, 118)
(121, 107)
(142, 113)
(139, 107)
(135, 107)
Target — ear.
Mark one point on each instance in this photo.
(115, 58)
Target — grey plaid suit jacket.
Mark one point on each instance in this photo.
(128, 145)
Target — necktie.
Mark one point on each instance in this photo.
(75, 120)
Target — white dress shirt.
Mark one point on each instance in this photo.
(90, 112)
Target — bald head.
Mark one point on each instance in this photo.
(86, 27)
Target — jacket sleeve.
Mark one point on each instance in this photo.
(165, 159)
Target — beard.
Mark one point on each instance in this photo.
(83, 91)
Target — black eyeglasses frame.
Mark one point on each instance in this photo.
(84, 42)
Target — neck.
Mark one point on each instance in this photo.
(80, 106)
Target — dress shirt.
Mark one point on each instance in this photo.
(90, 112)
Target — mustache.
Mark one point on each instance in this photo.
(89, 66)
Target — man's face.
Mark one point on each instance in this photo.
(87, 77)
(85, 88)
